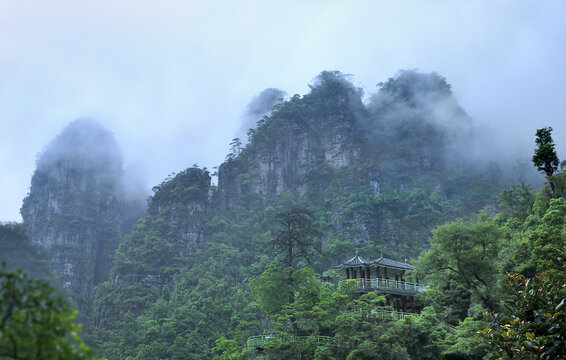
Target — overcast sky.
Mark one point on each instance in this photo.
(171, 79)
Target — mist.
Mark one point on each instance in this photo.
(86, 154)
(260, 106)
(83, 143)
(172, 81)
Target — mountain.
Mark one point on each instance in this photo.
(405, 148)
(377, 177)
(75, 205)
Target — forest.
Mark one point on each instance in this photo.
(244, 267)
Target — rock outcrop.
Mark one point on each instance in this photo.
(327, 146)
(302, 136)
(75, 205)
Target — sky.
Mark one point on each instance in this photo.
(172, 79)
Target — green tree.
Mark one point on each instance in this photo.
(516, 202)
(270, 288)
(469, 252)
(545, 158)
(36, 324)
(297, 236)
(423, 336)
(550, 235)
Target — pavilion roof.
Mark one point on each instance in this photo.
(393, 264)
(357, 261)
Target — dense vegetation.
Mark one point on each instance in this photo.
(325, 175)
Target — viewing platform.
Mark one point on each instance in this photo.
(384, 275)
(387, 286)
(259, 341)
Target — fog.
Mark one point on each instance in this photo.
(85, 147)
(173, 81)
(260, 106)
(83, 143)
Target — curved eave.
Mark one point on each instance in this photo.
(357, 261)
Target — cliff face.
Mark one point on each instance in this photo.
(163, 241)
(327, 147)
(74, 206)
(302, 137)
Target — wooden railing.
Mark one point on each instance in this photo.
(259, 340)
(388, 285)
(383, 314)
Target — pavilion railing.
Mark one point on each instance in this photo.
(388, 285)
(259, 340)
(384, 314)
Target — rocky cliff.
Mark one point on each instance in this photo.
(75, 205)
(171, 230)
(160, 245)
(329, 147)
(302, 138)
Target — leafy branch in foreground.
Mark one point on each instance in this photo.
(536, 325)
(36, 324)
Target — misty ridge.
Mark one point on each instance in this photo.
(403, 137)
(410, 104)
(86, 155)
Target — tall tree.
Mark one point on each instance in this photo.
(297, 236)
(545, 158)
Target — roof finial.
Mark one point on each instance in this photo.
(357, 253)
(381, 254)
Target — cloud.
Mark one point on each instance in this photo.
(260, 106)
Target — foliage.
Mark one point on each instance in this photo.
(422, 336)
(516, 202)
(545, 158)
(550, 235)
(36, 324)
(191, 184)
(533, 325)
(464, 342)
(468, 251)
(270, 288)
(297, 236)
